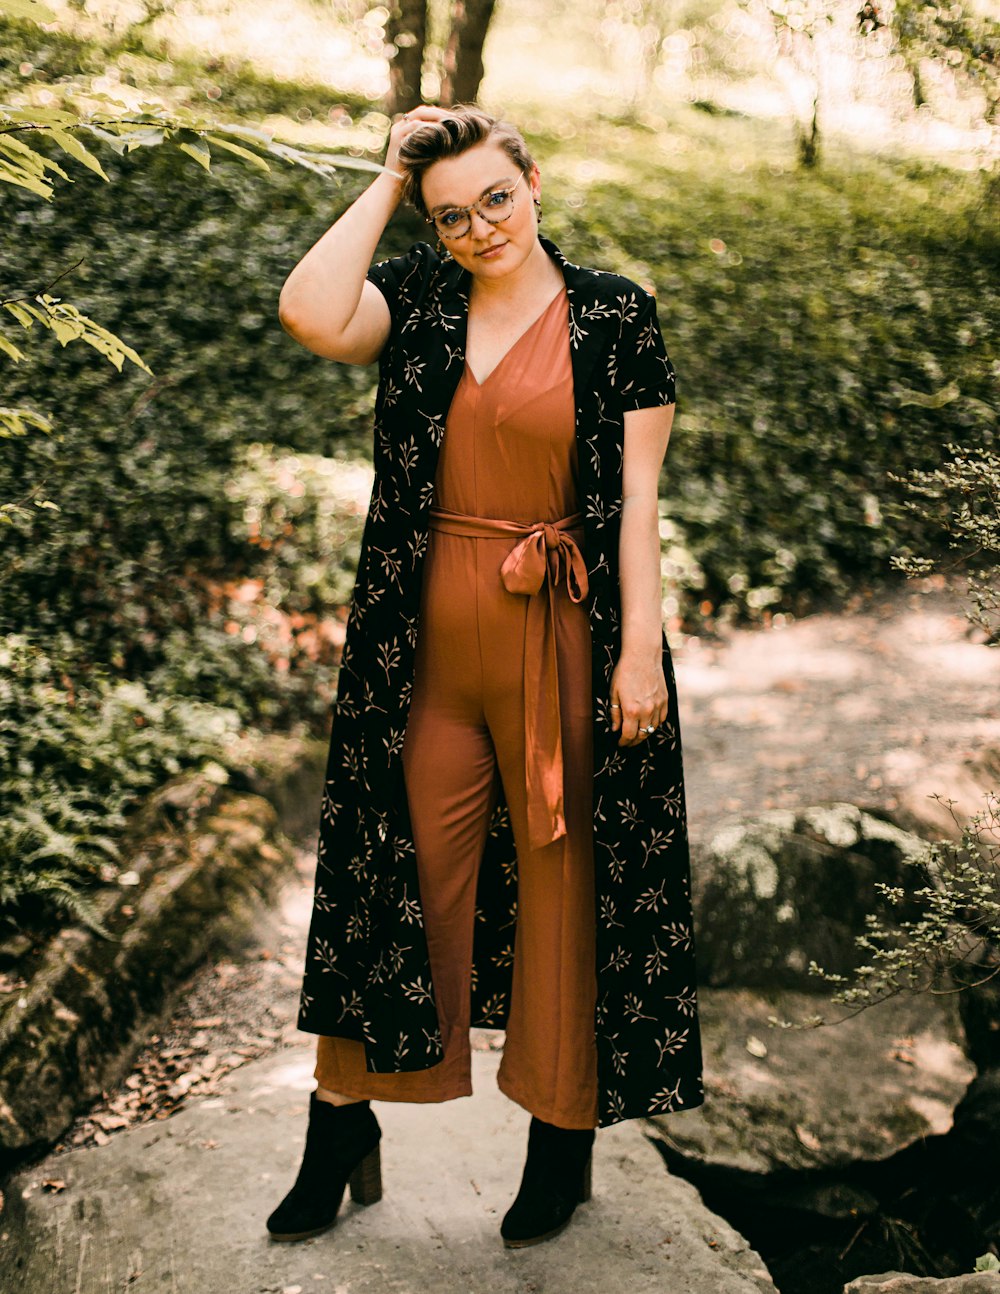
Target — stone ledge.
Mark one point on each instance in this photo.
(907, 1283)
(205, 858)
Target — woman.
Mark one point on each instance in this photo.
(503, 837)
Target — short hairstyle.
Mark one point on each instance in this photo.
(463, 128)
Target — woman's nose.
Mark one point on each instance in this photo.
(483, 229)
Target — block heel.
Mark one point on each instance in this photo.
(585, 1189)
(366, 1180)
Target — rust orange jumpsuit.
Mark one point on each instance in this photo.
(502, 689)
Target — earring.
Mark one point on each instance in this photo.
(538, 209)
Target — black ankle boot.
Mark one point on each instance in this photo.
(342, 1146)
(556, 1179)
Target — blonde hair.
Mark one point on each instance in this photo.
(463, 128)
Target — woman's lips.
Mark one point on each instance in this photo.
(491, 252)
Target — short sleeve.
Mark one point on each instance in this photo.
(646, 377)
(401, 279)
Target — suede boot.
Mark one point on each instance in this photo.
(556, 1179)
(342, 1146)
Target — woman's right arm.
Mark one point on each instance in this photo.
(326, 302)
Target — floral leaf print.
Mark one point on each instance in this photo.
(672, 800)
(322, 900)
(632, 1006)
(494, 1007)
(619, 959)
(616, 865)
(327, 958)
(412, 912)
(351, 1006)
(391, 565)
(656, 962)
(417, 549)
(629, 812)
(671, 1043)
(408, 457)
(679, 934)
(505, 957)
(434, 424)
(619, 1057)
(396, 957)
(657, 843)
(412, 369)
(597, 510)
(417, 991)
(667, 1099)
(609, 913)
(358, 926)
(613, 763)
(388, 657)
(402, 1049)
(650, 899)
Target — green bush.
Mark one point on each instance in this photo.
(73, 760)
(827, 326)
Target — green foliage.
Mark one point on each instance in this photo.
(72, 761)
(828, 328)
(962, 496)
(140, 470)
(956, 936)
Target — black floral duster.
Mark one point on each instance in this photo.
(367, 973)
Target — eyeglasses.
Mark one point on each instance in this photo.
(494, 208)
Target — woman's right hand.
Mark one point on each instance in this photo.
(405, 124)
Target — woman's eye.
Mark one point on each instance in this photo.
(449, 218)
(497, 198)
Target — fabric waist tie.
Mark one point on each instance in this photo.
(546, 551)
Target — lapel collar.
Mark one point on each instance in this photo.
(587, 318)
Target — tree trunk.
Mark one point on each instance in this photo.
(809, 139)
(463, 58)
(406, 34)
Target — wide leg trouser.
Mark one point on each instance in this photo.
(465, 732)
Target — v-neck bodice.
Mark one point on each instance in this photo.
(522, 338)
(509, 448)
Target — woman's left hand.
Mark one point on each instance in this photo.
(639, 697)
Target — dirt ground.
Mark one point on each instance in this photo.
(857, 704)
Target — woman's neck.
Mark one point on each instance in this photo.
(537, 278)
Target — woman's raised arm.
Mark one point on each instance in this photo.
(326, 303)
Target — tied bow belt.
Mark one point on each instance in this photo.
(547, 552)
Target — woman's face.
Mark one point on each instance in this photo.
(489, 250)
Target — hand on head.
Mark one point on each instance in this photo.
(407, 122)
